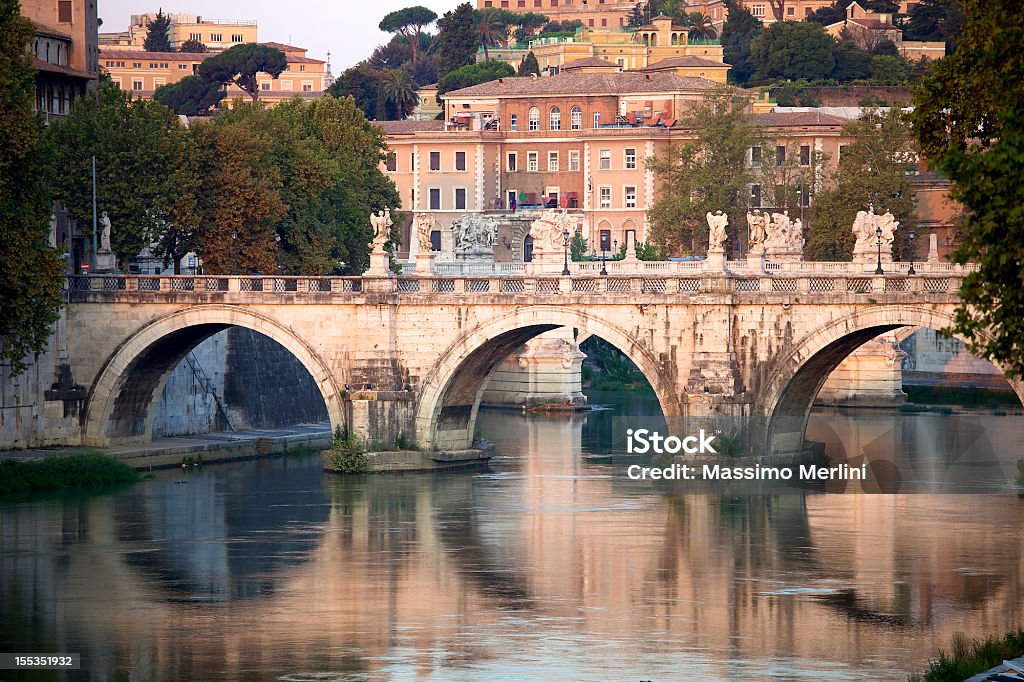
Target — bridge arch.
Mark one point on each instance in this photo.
(450, 396)
(797, 376)
(123, 396)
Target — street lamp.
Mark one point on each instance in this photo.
(878, 235)
(604, 250)
(565, 251)
(234, 252)
(912, 236)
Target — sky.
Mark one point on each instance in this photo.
(346, 28)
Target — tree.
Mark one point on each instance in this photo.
(701, 26)
(400, 93)
(578, 247)
(888, 70)
(968, 121)
(191, 96)
(194, 46)
(738, 33)
(409, 23)
(490, 31)
(708, 173)
(935, 20)
(139, 146)
(240, 64)
(793, 50)
(457, 41)
(359, 83)
(474, 74)
(636, 16)
(529, 66)
(32, 273)
(873, 171)
(852, 62)
(783, 176)
(157, 39)
(528, 24)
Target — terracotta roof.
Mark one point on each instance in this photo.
(408, 127)
(63, 70)
(626, 82)
(282, 46)
(683, 62)
(185, 56)
(798, 118)
(588, 62)
(51, 31)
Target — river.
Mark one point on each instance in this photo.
(551, 565)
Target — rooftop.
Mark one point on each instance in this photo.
(588, 62)
(409, 127)
(626, 82)
(798, 118)
(684, 61)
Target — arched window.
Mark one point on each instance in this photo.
(555, 119)
(534, 118)
(654, 40)
(675, 39)
(646, 40)
(576, 118)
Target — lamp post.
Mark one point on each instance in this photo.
(878, 236)
(565, 251)
(912, 236)
(234, 252)
(604, 250)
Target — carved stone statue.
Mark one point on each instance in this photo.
(547, 231)
(796, 236)
(424, 227)
(864, 231)
(779, 230)
(889, 225)
(381, 223)
(865, 228)
(758, 228)
(717, 222)
(105, 233)
(474, 236)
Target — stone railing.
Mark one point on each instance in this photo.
(655, 282)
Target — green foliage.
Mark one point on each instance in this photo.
(793, 50)
(400, 92)
(529, 66)
(194, 46)
(706, 174)
(610, 369)
(874, 170)
(965, 396)
(968, 120)
(32, 273)
(191, 96)
(935, 20)
(73, 472)
(886, 70)
(738, 33)
(970, 657)
(578, 248)
(528, 24)
(157, 39)
(644, 251)
(457, 41)
(409, 23)
(348, 455)
(145, 178)
(473, 74)
(793, 94)
(240, 64)
(852, 62)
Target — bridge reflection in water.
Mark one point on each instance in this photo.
(552, 566)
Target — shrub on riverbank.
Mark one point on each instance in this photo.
(970, 657)
(348, 454)
(967, 396)
(74, 472)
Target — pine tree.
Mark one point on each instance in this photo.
(30, 279)
(456, 39)
(529, 65)
(157, 39)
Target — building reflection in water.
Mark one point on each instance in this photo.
(553, 565)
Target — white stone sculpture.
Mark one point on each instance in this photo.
(474, 236)
(424, 227)
(717, 222)
(105, 234)
(779, 230)
(548, 230)
(758, 228)
(864, 231)
(381, 223)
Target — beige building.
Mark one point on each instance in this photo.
(74, 24)
(216, 35)
(596, 13)
(143, 72)
(868, 29)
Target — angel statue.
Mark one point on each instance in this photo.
(717, 235)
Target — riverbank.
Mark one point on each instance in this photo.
(81, 471)
(183, 450)
(974, 660)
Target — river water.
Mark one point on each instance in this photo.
(551, 565)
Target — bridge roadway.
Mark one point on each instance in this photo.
(411, 354)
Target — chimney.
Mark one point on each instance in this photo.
(501, 81)
(647, 76)
(533, 76)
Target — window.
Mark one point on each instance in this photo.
(136, 84)
(531, 162)
(154, 65)
(841, 148)
(307, 87)
(265, 85)
(606, 159)
(757, 11)
(597, 119)
(136, 65)
(590, 23)
(64, 11)
(630, 159)
(182, 67)
(435, 199)
(237, 38)
(435, 161)
(392, 162)
(157, 82)
(555, 119)
(513, 162)
(805, 155)
(604, 22)
(606, 197)
(302, 67)
(412, 161)
(576, 118)
(460, 198)
(755, 196)
(460, 161)
(553, 161)
(195, 36)
(805, 196)
(755, 157)
(790, 11)
(630, 197)
(574, 161)
(216, 37)
(514, 123)
(534, 118)
(780, 155)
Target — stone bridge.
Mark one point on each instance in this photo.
(411, 355)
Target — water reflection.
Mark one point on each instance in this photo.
(553, 565)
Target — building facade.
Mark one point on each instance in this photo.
(216, 35)
(142, 73)
(596, 13)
